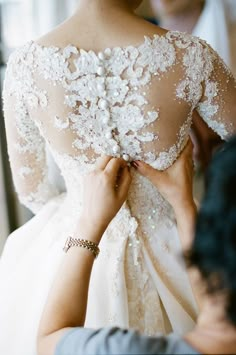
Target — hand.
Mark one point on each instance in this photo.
(105, 191)
(176, 183)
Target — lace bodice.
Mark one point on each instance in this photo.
(135, 102)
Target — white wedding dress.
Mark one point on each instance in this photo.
(135, 102)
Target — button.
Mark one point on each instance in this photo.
(107, 52)
(106, 118)
(103, 104)
(115, 93)
(100, 71)
(116, 149)
(125, 157)
(109, 135)
(101, 55)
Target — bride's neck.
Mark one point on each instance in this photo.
(104, 13)
(104, 5)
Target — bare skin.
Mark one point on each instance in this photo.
(117, 23)
(66, 310)
(100, 24)
(170, 182)
(213, 333)
(111, 180)
(115, 19)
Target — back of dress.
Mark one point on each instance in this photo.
(134, 102)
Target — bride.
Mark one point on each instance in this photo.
(104, 82)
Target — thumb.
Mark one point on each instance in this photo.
(147, 171)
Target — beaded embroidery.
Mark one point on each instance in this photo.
(106, 98)
(84, 104)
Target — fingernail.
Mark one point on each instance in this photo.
(135, 164)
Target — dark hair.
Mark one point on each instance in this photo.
(214, 247)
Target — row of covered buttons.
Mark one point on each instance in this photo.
(103, 104)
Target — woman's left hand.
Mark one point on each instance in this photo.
(105, 191)
(175, 183)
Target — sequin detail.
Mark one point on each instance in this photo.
(134, 102)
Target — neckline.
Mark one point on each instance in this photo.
(150, 38)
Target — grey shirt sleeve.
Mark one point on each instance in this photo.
(115, 341)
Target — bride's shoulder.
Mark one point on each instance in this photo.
(184, 40)
(55, 37)
(23, 58)
(193, 50)
(20, 57)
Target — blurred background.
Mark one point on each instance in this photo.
(24, 20)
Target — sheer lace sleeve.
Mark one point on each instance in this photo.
(217, 106)
(26, 147)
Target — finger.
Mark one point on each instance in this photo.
(147, 171)
(124, 183)
(114, 166)
(102, 162)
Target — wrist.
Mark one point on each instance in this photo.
(186, 212)
(184, 208)
(186, 220)
(87, 229)
(183, 202)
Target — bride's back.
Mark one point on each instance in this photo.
(119, 86)
(118, 74)
(134, 99)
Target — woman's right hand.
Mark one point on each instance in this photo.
(175, 183)
(105, 189)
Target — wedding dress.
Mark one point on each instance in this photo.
(135, 102)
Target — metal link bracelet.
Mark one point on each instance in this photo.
(83, 243)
